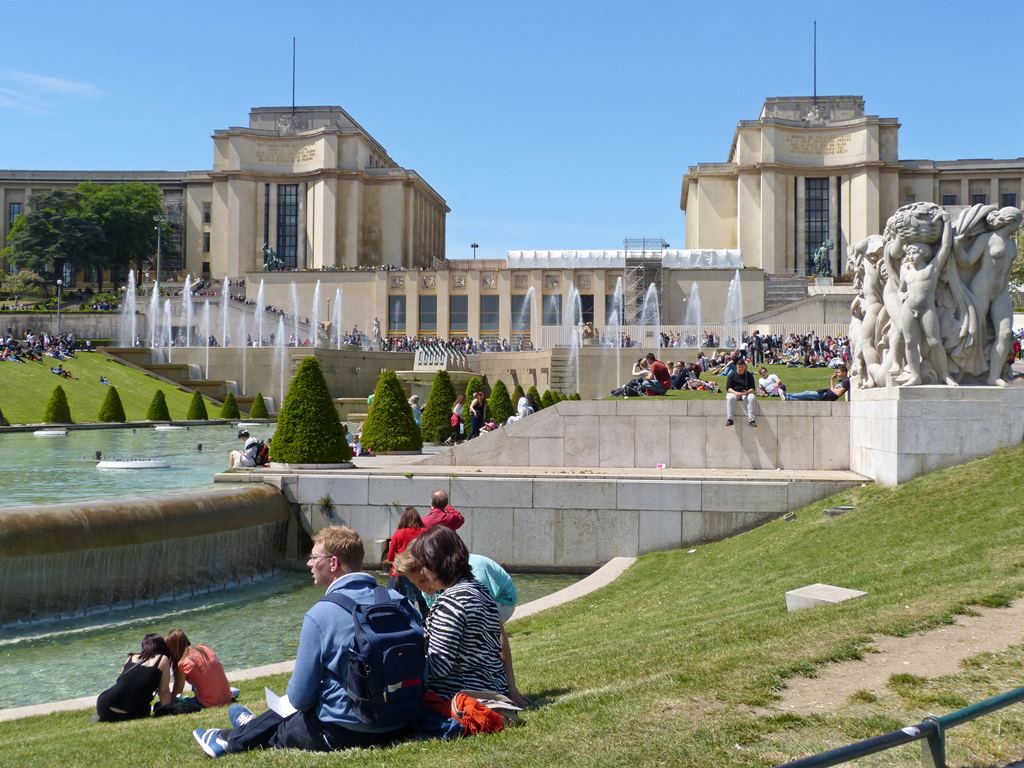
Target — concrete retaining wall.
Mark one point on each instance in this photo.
(681, 434)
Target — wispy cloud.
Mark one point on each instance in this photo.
(34, 93)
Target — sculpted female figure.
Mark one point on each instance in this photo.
(992, 251)
(867, 306)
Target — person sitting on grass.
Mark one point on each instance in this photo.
(199, 666)
(145, 674)
(658, 380)
(769, 384)
(839, 386)
(695, 382)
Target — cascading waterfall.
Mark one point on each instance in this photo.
(734, 310)
(206, 336)
(259, 314)
(695, 315)
(650, 314)
(225, 304)
(336, 321)
(186, 309)
(295, 313)
(315, 318)
(154, 317)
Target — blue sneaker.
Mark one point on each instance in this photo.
(210, 742)
(239, 715)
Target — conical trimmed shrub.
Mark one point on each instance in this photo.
(258, 409)
(575, 396)
(308, 428)
(389, 424)
(57, 409)
(158, 408)
(534, 397)
(112, 409)
(475, 384)
(229, 410)
(197, 408)
(516, 394)
(499, 405)
(437, 412)
(3, 420)
(547, 399)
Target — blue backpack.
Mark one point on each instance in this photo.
(387, 662)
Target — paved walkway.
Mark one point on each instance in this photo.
(600, 578)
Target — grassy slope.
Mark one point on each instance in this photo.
(25, 387)
(677, 662)
(795, 379)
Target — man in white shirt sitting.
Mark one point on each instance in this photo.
(770, 383)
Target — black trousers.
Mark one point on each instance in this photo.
(299, 731)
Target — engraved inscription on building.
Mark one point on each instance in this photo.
(285, 153)
(802, 144)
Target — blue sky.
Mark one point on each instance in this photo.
(543, 124)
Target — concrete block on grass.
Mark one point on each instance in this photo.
(814, 595)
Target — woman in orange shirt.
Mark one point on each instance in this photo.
(410, 525)
(199, 666)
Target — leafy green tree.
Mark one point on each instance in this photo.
(547, 399)
(389, 424)
(499, 405)
(112, 410)
(197, 408)
(516, 394)
(535, 399)
(56, 228)
(258, 409)
(229, 410)
(437, 413)
(158, 408)
(475, 384)
(125, 214)
(24, 282)
(57, 409)
(308, 428)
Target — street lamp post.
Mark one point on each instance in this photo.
(474, 246)
(59, 284)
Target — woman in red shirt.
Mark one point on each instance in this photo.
(410, 525)
(199, 666)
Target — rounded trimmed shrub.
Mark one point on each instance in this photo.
(516, 394)
(57, 409)
(437, 413)
(258, 409)
(499, 404)
(547, 399)
(389, 424)
(229, 410)
(534, 397)
(475, 384)
(3, 420)
(197, 408)
(158, 408)
(308, 428)
(112, 409)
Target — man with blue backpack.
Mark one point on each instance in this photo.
(359, 669)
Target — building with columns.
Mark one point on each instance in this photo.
(814, 169)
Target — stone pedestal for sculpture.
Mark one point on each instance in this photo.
(899, 433)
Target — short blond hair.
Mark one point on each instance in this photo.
(343, 543)
(405, 563)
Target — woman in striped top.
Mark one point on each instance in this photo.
(463, 629)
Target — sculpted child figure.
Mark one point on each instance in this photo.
(919, 279)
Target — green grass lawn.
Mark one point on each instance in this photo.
(25, 388)
(678, 662)
(795, 379)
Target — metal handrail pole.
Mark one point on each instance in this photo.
(865, 747)
(974, 711)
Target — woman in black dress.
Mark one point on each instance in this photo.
(144, 675)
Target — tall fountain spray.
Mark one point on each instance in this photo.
(295, 312)
(259, 314)
(169, 329)
(695, 315)
(186, 309)
(524, 323)
(614, 326)
(154, 317)
(128, 319)
(336, 321)
(315, 330)
(734, 310)
(225, 304)
(280, 358)
(573, 324)
(650, 314)
(206, 336)
(242, 333)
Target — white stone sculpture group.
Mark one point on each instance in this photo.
(934, 302)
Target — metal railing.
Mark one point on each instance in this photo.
(932, 729)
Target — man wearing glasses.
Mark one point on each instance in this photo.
(325, 720)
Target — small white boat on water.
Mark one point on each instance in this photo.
(51, 433)
(169, 428)
(247, 425)
(133, 464)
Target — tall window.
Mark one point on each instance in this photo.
(206, 213)
(815, 217)
(489, 315)
(428, 314)
(266, 214)
(587, 307)
(520, 314)
(206, 242)
(458, 314)
(551, 314)
(288, 224)
(13, 212)
(396, 315)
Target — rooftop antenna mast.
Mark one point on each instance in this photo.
(293, 75)
(815, 61)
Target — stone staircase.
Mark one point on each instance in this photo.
(175, 373)
(780, 290)
(562, 377)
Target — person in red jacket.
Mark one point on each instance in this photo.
(443, 513)
(410, 525)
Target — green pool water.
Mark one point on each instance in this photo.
(247, 626)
